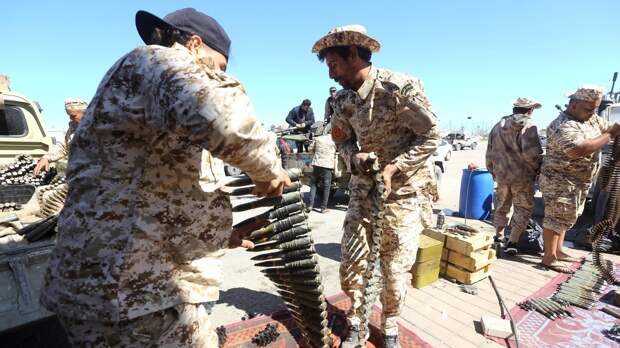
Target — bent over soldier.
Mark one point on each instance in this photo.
(386, 113)
(514, 156)
(133, 263)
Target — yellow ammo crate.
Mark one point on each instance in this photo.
(435, 234)
(472, 262)
(429, 249)
(421, 268)
(422, 280)
(465, 277)
(468, 244)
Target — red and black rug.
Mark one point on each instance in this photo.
(584, 329)
(240, 334)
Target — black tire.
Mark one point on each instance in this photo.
(457, 147)
(448, 155)
(232, 171)
(438, 174)
(474, 146)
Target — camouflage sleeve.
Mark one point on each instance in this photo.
(569, 136)
(212, 110)
(344, 137)
(414, 111)
(488, 154)
(58, 152)
(531, 148)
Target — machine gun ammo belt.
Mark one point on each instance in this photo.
(288, 257)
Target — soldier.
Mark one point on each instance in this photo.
(301, 118)
(134, 256)
(324, 160)
(514, 156)
(75, 108)
(574, 140)
(387, 113)
(329, 110)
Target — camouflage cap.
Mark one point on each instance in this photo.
(527, 103)
(591, 93)
(347, 35)
(75, 104)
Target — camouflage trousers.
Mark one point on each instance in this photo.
(520, 197)
(401, 233)
(184, 325)
(564, 202)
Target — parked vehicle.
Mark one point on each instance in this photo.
(23, 264)
(460, 140)
(444, 150)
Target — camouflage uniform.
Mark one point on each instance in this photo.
(137, 231)
(514, 156)
(379, 118)
(61, 149)
(565, 182)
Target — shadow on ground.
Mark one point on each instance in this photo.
(329, 250)
(251, 301)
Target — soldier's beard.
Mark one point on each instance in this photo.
(522, 119)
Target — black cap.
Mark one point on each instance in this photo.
(189, 20)
(332, 89)
(306, 102)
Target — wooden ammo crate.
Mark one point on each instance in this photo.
(465, 277)
(468, 244)
(472, 262)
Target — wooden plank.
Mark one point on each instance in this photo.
(472, 262)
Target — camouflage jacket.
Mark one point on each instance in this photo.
(323, 152)
(564, 133)
(137, 231)
(61, 149)
(514, 152)
(377, 118)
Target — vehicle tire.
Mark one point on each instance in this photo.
(448, 155)
(474, 146)
(457, 147)
(232, 171)
(438, 174)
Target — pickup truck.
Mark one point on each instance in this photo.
(23, 321)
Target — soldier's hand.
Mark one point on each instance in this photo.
(43, 162)
(359, 163)
(388, 173)
(272, 188)
(614, 130)
(236, 240)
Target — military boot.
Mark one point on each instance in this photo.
(354, 339)
(391, 341)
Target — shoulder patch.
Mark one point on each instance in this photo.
(338, 134)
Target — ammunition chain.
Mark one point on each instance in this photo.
(599, 232)
(372, 278)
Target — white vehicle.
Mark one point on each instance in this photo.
(444, 150)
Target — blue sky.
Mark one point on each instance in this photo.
(474, 57)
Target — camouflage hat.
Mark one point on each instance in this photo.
(75, 104)
(591, 93)
(526, 103)
(348, 35)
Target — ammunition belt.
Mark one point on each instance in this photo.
(289, 259)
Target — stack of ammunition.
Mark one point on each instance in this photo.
(19, 172)
(52, 197)
(610, 195)
(583, 287)
(9, 206)
(547, 307)
(267, 335)
(291, 263)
